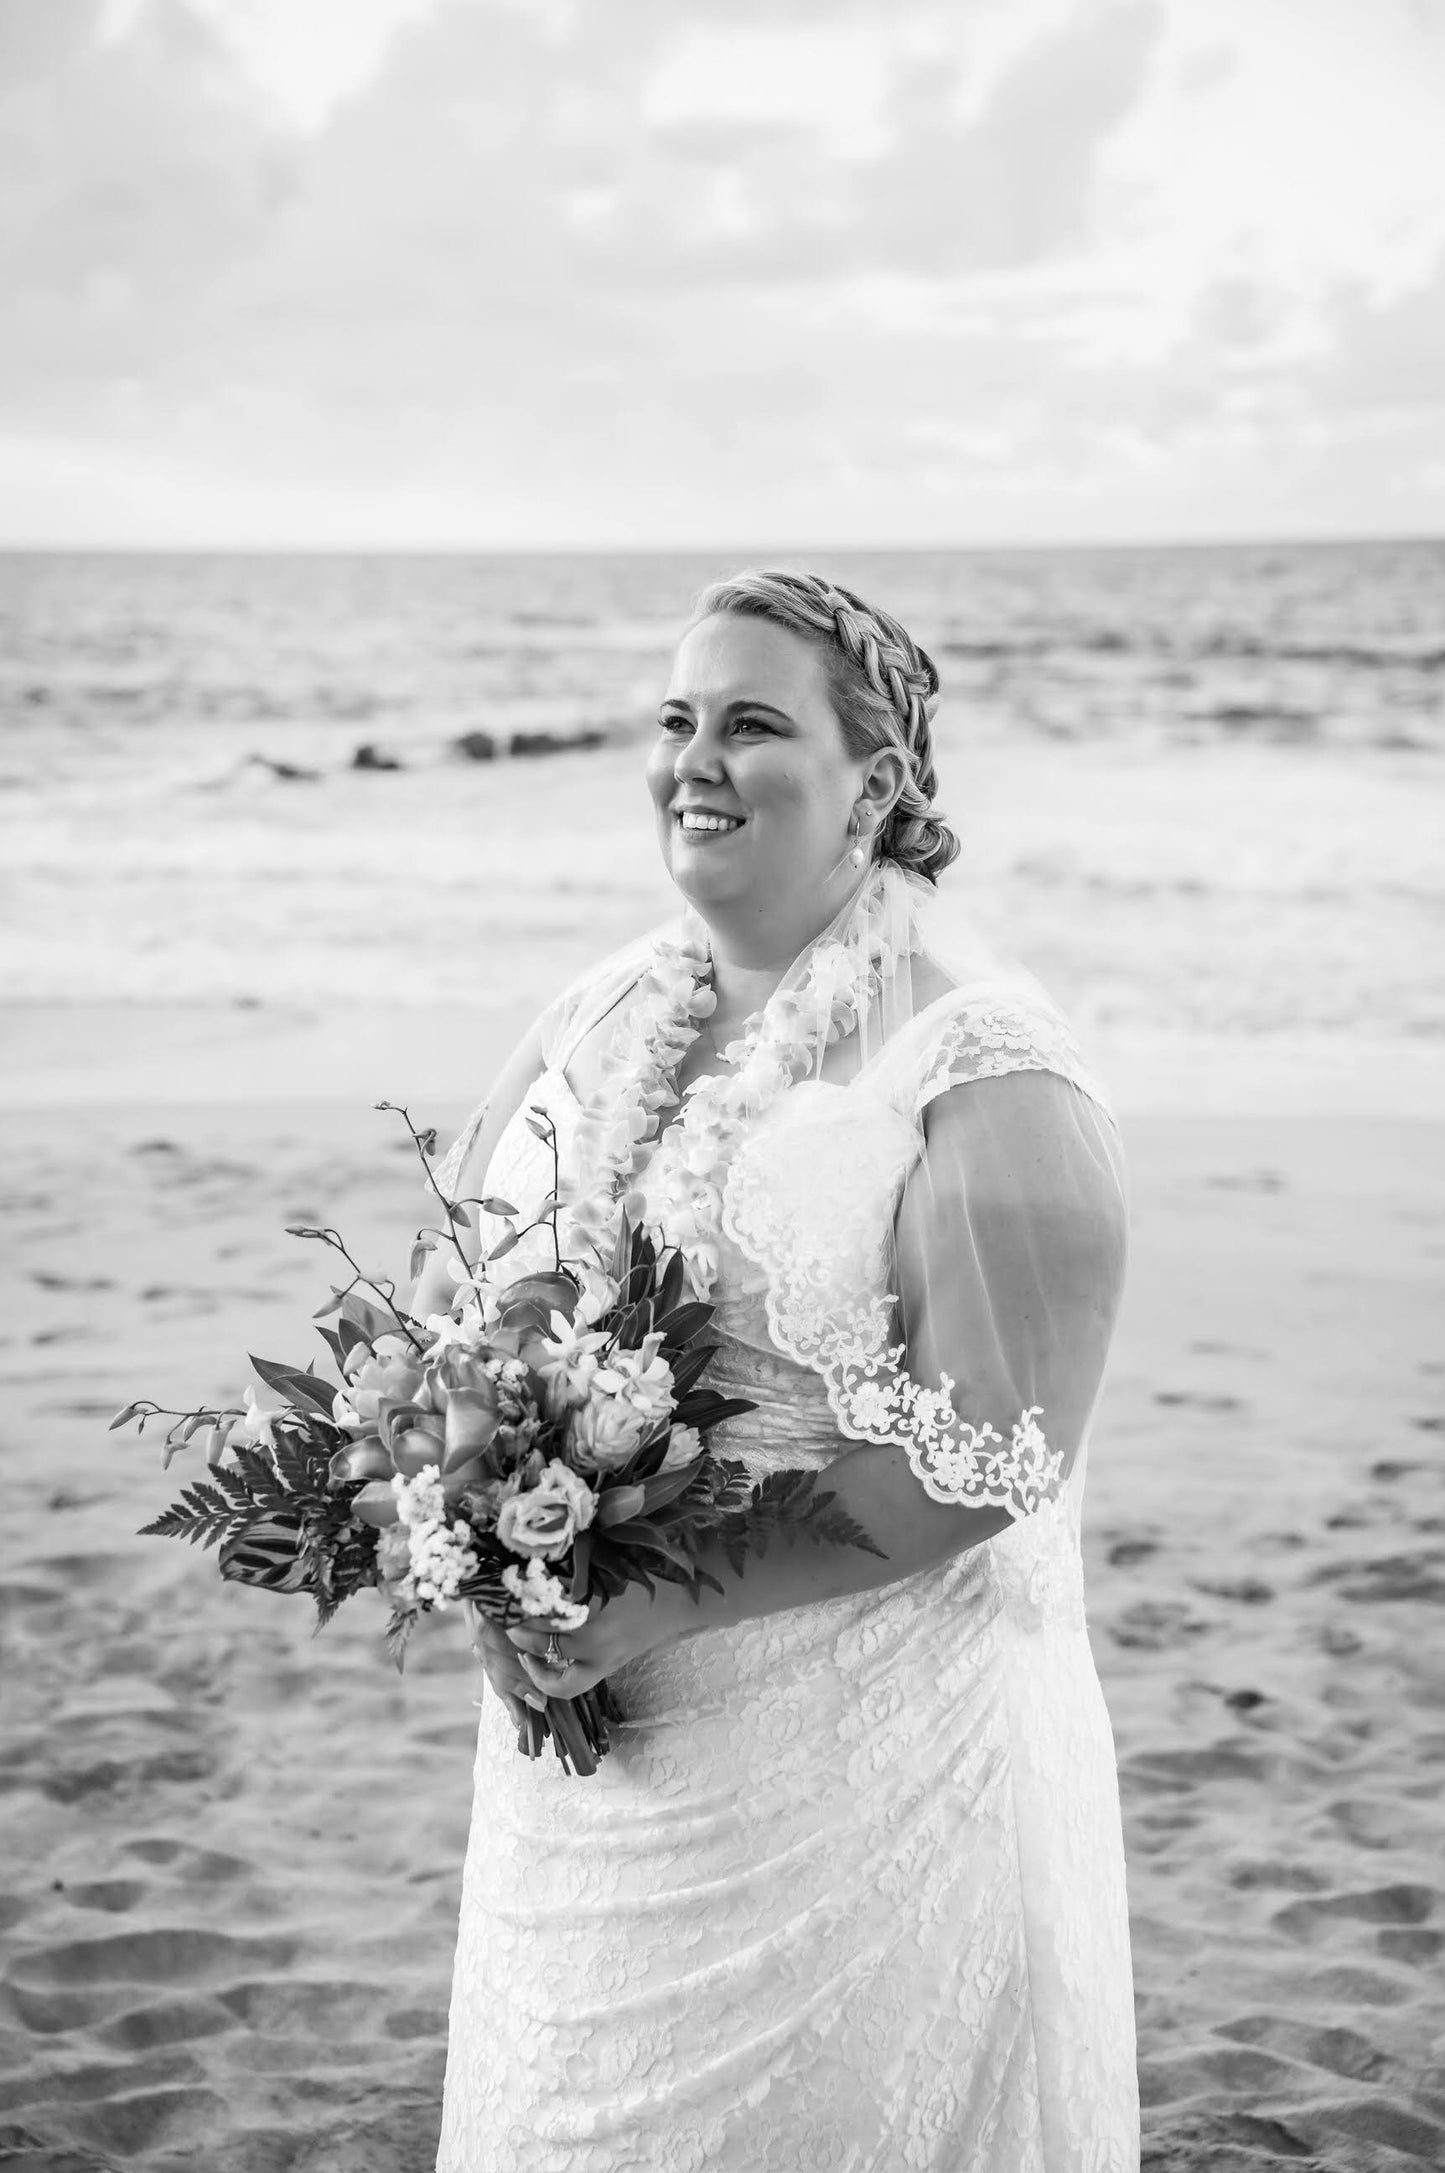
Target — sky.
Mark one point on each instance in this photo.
(624, 273)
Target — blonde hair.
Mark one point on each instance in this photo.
(883, 686)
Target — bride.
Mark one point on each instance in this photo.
(848, 1893)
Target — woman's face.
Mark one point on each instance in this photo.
(749, 776)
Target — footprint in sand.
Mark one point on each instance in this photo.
(1416, 1576)
(1128, 1550)
(1157, 1626)
(170, 1955)
(1337, 2051)
(1316, 1919)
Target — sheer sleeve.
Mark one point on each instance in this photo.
(535, 1053)
(1009, 1251)
(944, 1244)
(552, 1037)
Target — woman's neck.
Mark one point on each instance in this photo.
(751, 954)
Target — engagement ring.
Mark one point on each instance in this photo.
(554, 1655)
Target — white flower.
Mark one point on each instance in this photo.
(256, 1424)
(606, 1432)
(683, 1447)
(543, 1594)
(677, 1191)
(599, 1295)
(420, 1500)
(441, 1561)
(545, 1519)
(441, 1556)
(640, 1379)
(571, 1363)
(463, 1329)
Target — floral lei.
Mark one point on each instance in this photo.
(622, 1119)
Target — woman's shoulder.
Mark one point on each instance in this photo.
(599, 990)
(986, 1026)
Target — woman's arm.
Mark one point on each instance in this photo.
(435, 1289)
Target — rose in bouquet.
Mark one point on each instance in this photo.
(534, 1450)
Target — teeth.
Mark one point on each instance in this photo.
(691, 821)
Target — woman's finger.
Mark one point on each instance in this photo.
(536, 1636)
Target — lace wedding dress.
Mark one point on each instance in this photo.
(848, 1892)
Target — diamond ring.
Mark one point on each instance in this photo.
(554, 1655)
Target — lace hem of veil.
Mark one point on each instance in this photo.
(827, 1271)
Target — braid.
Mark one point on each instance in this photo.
(885, 692)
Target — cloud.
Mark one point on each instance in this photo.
(558, 270)
(1017, 184)
(135, 173)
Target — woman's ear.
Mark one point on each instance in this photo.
(882, 784)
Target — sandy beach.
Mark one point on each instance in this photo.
(231, 1853)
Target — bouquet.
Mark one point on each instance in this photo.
(534, 1450)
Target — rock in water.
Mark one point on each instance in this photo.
(371, 757)
(554, 743)
(476, 746)
(289, 772)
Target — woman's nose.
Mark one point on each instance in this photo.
(699, 756)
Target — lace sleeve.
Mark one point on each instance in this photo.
(1008, 1263)
(957, 1290)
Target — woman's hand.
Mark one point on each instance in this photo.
(616, 1631)
(501, 1662)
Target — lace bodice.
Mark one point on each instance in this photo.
(802, 1292)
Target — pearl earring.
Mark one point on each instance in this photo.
(859, 855)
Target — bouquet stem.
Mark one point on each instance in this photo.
(578, 1727)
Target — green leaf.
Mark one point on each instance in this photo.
(705, 1408)
(646, 1538)
(665, 1486)
(684, 1322)
(348, 1335)
(616, 1504)
(368, 1317)
(332, 1341)
(670, 1288)
(689, 1367)
(295, 1386)
(398, 1635)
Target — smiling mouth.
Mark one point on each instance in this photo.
(696, 825)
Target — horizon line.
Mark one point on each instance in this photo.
(1283, 540)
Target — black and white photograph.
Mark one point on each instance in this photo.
(722, 978)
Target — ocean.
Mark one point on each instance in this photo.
(1199, 788)
(1341, 643)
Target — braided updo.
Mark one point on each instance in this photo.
(883, 686)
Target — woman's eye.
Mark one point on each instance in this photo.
(752, 724)
(673, 724)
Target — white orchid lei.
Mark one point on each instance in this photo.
(621, 1121)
